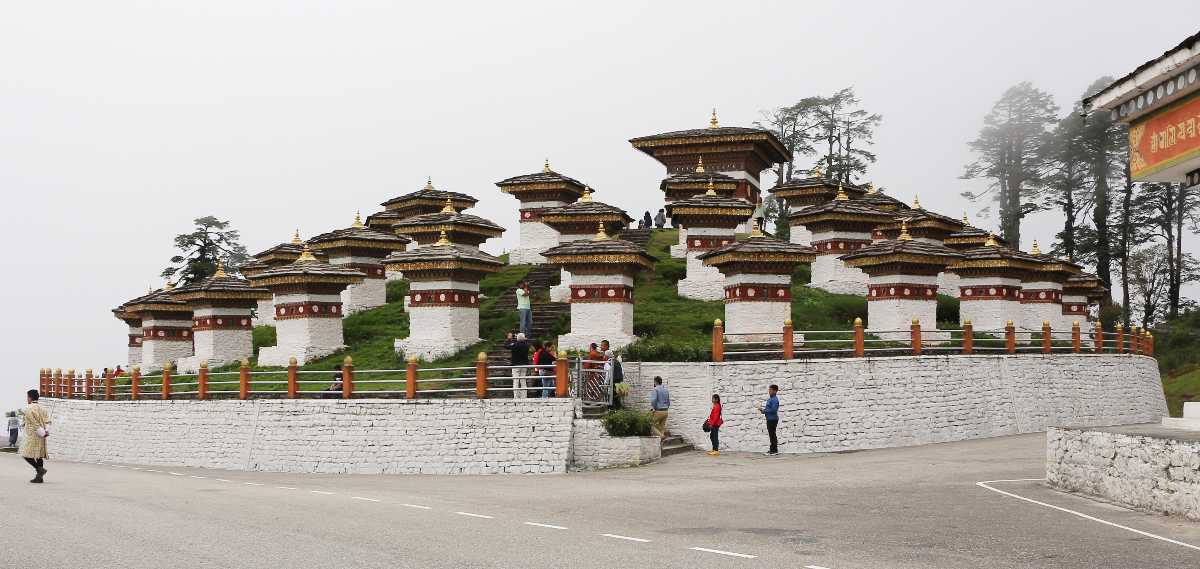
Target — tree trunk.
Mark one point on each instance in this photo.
(1100, 215)
(1177, 270)
(1126, 215)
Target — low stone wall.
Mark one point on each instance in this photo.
(860, 403)
(1134, 466)
(593, 449)
(360, 436)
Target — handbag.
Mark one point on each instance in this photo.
(705, 426)
(43, 432)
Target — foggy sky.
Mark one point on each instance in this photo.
(120, 122)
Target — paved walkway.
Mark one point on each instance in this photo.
(898, 508)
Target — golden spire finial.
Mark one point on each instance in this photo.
(991, 241)
(443, 239)
(1036, 250)
(871, 188)
(966, 221)
(587, 195)
(429, 183)
(712, 189)
(601, 235)
(841, 194)
(169, 286)
(296, 237)
(220, 270)
(306, 254)
(816, 172)
(757, 231)
(712, 122)
(449, 207)
(904, 236)
(916, 202)
(700, 165)
(357, 219)
(546, 166)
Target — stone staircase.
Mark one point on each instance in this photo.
(674, 444)
(639, 237)
(546, 315)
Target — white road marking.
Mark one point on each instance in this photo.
(544, 525)
(285, 488)
(719, 552)
(194, 476)
(470, 515)
(985, 483)
(220, 480)
(625, 537)
(251, 483)
(175, 474)
(136, 468)
(321, 492)
(417, 506)
(814, 567)
(117, 466)
(365, 499)
(152, 470)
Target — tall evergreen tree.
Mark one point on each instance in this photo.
(1067, 181)
(1106, 144)
(211, 242)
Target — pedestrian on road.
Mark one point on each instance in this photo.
(771, 411)
(660, 403)
(524, 312)
(713, 425)
(13, 426)
(37, 428)
(518, 350)
(660, 220)
(647, 223)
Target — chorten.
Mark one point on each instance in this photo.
(134, 322)
(279, 255)
(602, 276)
(221, 327)
(813, 190)
(1042, 289)
(689, 184)
(308, 308)
(881, 201)
(362, 249)
(537, 193)
(989, 289)
(711, 220)
(923, 225)
(166, 327)
(903, 283)
(443, 298)
(838, 227)
(425, 200)
(757, 283)
(970, 237)
(579, 221)
(459, 228)
(1079, 291)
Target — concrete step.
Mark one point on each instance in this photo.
(674, 444)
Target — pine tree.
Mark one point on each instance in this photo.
(210, 243)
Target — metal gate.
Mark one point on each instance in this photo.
(590, 383)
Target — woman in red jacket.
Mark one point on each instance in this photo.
(714, 423)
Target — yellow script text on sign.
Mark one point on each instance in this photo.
(1165, 138)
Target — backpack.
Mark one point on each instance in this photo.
(618, 374)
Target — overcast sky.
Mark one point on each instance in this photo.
(120, 122)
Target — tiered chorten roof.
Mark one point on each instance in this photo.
(697, 181)
(425, 200)
(677, 149)
(921, 223)
(1052, 269)
(1086, 284)
(710, 210)
(307, 270)
(840, 214)
(459, 227)
(584, 215)
(759, 251)
(970, 237)
(880, 200)
(994, 260)
(600, 255)
(161, 300)
(546, 185)
(280, 254)
(814, 190)
(443, 257)
(221, 287)
(358, 239)
(903, 255)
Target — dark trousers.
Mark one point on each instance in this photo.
(714, 437)
(771, 435)
(36, 463)
(12, 437)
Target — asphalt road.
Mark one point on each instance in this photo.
(896, 508)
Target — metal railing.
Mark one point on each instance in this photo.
(413, 382)
(789, 344)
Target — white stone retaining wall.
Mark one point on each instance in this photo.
(1149, 473)
(861, 403)
(465, 436)
(592, 448)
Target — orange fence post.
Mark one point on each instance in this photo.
(88, 378)
(1099, 339)
(202, 382)
(789, 345)
(1149, 344)
(135, 378)
(410, 379)
(968, 337)
(244, 380)
(166, 381)
(860, 339)
(1046, 337)
(1120, 338)
(347, 378)
(292, 372)
(915, 330)
(481, 376)
(1076, 339)
(718, 341)
(1135, 337)
(561, 380)
(108, 386)
(69, 384)
(1010, 337)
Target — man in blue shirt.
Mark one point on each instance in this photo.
(771, 412)
(660, 403)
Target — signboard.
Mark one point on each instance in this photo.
(1165, 138)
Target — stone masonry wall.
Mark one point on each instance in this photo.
(593, 449)
(860, 403)
(1145, 472)
(328, 436)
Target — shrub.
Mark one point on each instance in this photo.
(396, 291)
(626, 423)
(947, 309)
